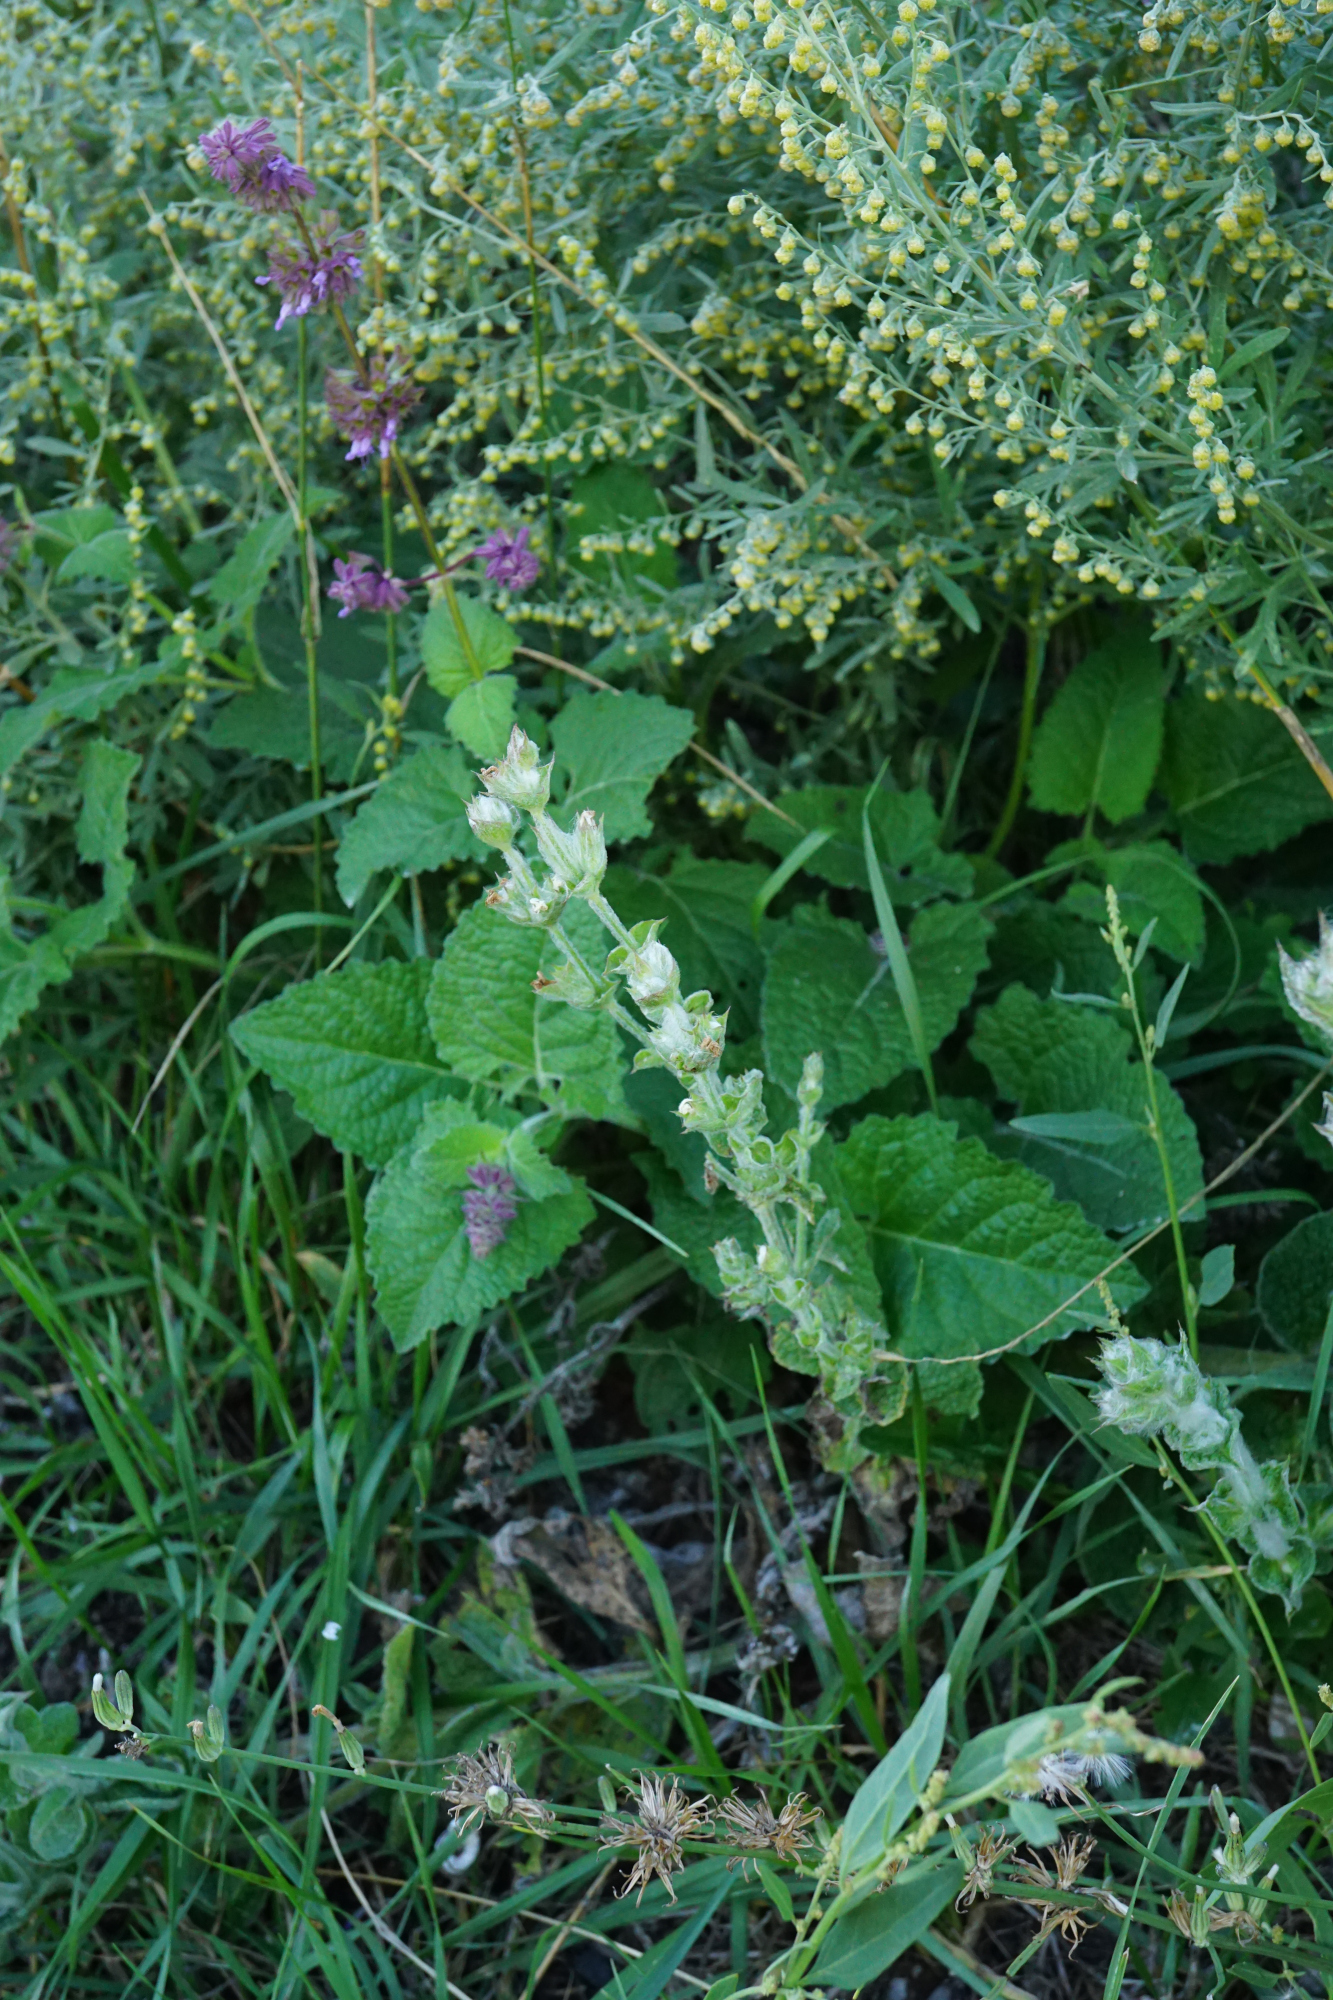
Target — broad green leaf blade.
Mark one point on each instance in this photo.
(614, 747)
(827, 989)
(971, 1252)
(109, 557)
(892, 1789)
(74, 694)
(59, 1825)
(1236, 781)
(869, 1939)
(905, 826)
(493, 641)
(1296, 1285)
(481, 715)
(425, 1272)
(1098, 743)
(414, 822)
(239, 583)
(103, 826)
(490, 1027)
(354, 1050)
(1075, 1077)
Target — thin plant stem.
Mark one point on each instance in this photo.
(309, 614)
(956, 776)
(1032, 672)
(538, 353)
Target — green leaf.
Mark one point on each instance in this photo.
(490, 1027)
(1057, 1063)
(826, 989)
(482, 715)
(109, 556)
(354, 1050)
(493, 641)
(970, 1251)
(58, 1827)
(707, 908)
(275, 723)
(75, 694)
(51, 1731)
(1217, 1274)
(614, 747)
(615, 500)
(415, 821)
(1154, 884)
(239, 583)
(904, 824)
(890, 1792)
(1098, 743)
(1035, 1822)
(103, 826)
(426, 1275)
(1296, 1285)
(1236, 782)
(878, 1931)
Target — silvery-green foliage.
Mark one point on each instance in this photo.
(790, 1282)
(1153, 1390)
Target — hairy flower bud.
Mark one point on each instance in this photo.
(492, 820)
(653, 977)
(578, 857)
(520, 778)
(1308, 982)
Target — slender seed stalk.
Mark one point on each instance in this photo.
(1032, 672)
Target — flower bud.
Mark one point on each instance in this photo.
(497, 1801)
(520, 778)
(492, 820)
(349, 1745)
(1308, 983)
(210, 1737)
(579, 857)
(653, 976)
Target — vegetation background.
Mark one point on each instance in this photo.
(877, 456)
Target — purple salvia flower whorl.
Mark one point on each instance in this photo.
(369, 413)
(361, 585)
(308, 279)
(509, 560)
(235, 151)
(488, 1207)
(247, 159)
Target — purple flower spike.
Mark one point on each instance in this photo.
(246, 159)
(310, 279)
(368, 413)
(488, 1208)
(279, 184)
(509, 560)
(234, 152)
(361, 585)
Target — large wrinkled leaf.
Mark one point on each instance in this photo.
(1098, 743)
(826, 989)
(1059, 1063)
(426, 1274)
(707, 906)
(905, 826)
(447, 666)
(490, 1027)
(75, 693)
(970, 1251)
(414, 822)
(1296, 1285)
(1236, 781)
(240, 582)
(354, 1049)
(1151, 881)
(614, 747)
(481, 715)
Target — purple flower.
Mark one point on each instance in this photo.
(488, 1208)
(362, 585)
(370, 412)
(509, 560)
(235, 151)
(311, 278)
(279, 184)
(246, 159)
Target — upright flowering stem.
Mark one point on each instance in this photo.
(538, 352)
(309, 609)
(377, 280)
